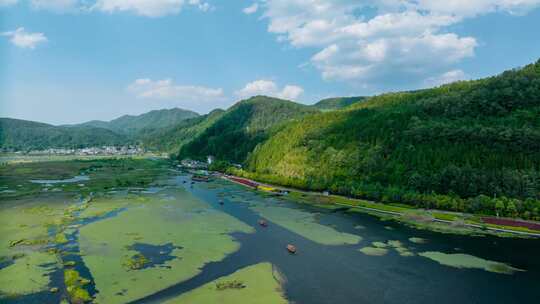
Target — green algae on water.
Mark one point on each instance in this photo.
(305, 224)
(461, 260)
(26, 275)
(417, 240)
(137, 261)
(374, 251)
(379, 244)
(75, 286)
(256, 284)
(202, 233)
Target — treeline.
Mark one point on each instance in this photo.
(528, 208)
(470, 146)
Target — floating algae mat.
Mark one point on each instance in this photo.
(374, 251)
(27, 274)
(305, 224)
(382, 248)
(25, 264)
(460, 260)
(119, 249)
(256, 284)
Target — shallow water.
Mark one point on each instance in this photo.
(76, 179)
(328, 271)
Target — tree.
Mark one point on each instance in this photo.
(511, 209)
(499, 206)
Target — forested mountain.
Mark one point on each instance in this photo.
(153, 120)
(337, 103)
(237, 131)
(171, 139)
(470, 145)
(16, 134)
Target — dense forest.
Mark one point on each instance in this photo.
(23, 135)
(336, 103)
(172, 138)
(249, 122)
(468, 146)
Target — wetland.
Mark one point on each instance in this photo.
(140, 231)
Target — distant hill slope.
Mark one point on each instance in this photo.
(337, 103)
(28, 135)
(131, 125)
(237, 131)
(171, 139)
(462, 140)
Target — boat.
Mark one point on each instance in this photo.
(263, 223)
(291, 248)
(221, 202)
(199, 178)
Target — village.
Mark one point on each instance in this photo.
(103, 150)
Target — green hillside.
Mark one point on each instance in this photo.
(469, 146)
(153, 120)
(171, 139)
(337, 103)
(16, 134)
(242, 127)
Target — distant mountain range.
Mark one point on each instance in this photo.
(133, 124)
(16, 134)
(19, 134)
(166, 130)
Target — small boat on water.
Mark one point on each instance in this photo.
(291, 248)
(199, 178)
(221, 202)
(263, 223)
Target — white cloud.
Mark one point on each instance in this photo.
(448, 77)
(291, 92)
(269, 88)
(149, 8)
(23, 39)
(56, 5)
(165, 89)
(251, 9)
(408, 40)
(8, 2)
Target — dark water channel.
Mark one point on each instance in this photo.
(341, 274)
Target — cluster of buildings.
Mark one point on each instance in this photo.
(193, 164)
(104, 150)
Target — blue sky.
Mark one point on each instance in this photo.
(68, 61)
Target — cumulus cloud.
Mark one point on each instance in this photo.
(269, 88)
(149, 8)
(147, 88)
(445, 78)
(251, 9)
(406, 39)
(23, 39)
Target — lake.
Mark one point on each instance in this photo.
(178, 242)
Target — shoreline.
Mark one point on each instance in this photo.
(404, 216)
